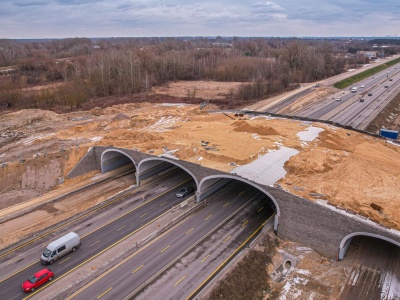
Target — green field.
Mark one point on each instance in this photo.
(360, 76)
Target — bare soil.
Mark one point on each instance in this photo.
(349, 169)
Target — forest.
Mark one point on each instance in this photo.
(62, 74)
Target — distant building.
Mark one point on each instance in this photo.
(222, 45)
(369, 54)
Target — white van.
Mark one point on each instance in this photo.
(59, 248)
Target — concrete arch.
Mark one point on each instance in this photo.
(115, 163)
(345, 242)
(232, 177)
(163, 160)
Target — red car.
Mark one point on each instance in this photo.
(37, 280)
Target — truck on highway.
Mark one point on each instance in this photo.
(64, 245)
(353, 89)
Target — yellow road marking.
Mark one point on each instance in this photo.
(260, 209)
(61, 262)
(35, 262)
(163, 203)
(12, 261)
(137, 269)
(179, 280)
(120, 228)
(205, 258)
(190, 231)
(245, 223)
(143, 215)
(72, 221)
(225, 204)
(94, 243)
(118, 264)
(165, 248)
(228, 258)
(104, 250)
(227, 238)
(241, 193)
(208, 217)
(104, 293)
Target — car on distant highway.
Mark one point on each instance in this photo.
(38, 279)
(369, 94)
(185, 191)
(338, 98)
(386, 86)
(362, 100)
(363, 85)
(391, 79)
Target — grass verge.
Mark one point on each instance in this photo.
(360, 76)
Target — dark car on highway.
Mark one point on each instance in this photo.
(185, 191)
(38, 279)
(369, 94)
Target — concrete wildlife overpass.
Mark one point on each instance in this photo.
(320, 226)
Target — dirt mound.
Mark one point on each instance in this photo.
(320, 162)
(30, 116)
(121, 137)
(335, 141)
(243, 126)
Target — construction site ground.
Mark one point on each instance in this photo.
(349, 169)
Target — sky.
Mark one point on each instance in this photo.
(138, 18)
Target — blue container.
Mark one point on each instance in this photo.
(391, 134)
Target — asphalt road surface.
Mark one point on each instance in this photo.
(132, 273)
(19, 265)
(349, 110)
(189, 273)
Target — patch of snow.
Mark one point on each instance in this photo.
(309, 134)
(31, 139)
(290, 287)
(303, 272)
(392, 143)
(174, 104)
(163, 123)
(268, 168)
(354, 277)
(96, 138)
(303, 249)
(390, 286)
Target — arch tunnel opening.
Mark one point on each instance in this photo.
(204, 189)
(354, 239)
(374, 271)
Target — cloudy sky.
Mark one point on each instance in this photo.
(122, 18)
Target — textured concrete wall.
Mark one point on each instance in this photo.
(88, 163)
(321, 227)
(317, 226)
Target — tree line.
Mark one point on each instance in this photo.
(82, 69)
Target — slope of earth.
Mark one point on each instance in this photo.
(351, 170)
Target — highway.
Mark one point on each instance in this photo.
(129, 217)
(349, 110)
(186, 277)
(131, 275)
